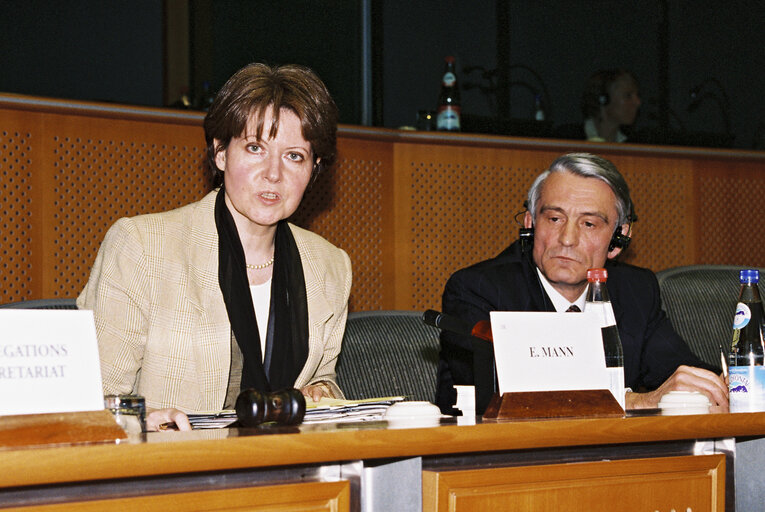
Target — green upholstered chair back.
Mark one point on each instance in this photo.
(700, 301)
(388, 353)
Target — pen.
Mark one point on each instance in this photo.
(724, 363)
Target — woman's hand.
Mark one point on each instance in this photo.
(317, 390)
(167, 419)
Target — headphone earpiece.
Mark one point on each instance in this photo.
(526, 236)
(619, 240)
(603, 99)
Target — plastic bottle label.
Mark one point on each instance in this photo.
(747, 388)
(742, 316)
(448, 118)
(449, 79)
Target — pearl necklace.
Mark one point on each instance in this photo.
(262, 265)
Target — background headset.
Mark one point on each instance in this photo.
(596, 89)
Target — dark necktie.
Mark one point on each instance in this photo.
(573, 308)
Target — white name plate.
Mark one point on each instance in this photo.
(48, 362)
(543, 351)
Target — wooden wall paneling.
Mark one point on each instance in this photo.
(455, 206)
(662, 192)
(19, 150)
(102, 169)
(409, 208)
(730, 212)
(351, 206)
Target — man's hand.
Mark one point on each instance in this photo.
(167, 419)
(685, 378)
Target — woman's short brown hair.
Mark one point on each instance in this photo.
(253, 89)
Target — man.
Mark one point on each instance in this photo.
(579, 214)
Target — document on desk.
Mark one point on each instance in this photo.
(209, 420)
(326, 410)
(543, 351)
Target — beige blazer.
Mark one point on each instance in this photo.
(162, 326)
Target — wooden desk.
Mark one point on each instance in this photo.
(583, 463)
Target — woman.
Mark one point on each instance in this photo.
(610, 104)
(195, 304)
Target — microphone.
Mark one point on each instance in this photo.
(481, 330)
(484, 370)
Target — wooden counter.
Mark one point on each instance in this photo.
(410, 208)
(442, 449)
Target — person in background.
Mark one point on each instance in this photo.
(581, 215)
(610, 103)
(195, 304)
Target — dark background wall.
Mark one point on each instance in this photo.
(115, 51)
(325, 35)
(89, 50)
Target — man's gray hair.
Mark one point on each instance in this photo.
(588, 166)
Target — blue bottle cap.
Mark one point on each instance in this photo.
(749, 275)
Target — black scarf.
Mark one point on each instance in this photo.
(287, 338)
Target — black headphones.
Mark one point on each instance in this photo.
(618, 239)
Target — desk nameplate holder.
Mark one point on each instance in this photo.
(598, 403)
(52, 393)
(28, 430)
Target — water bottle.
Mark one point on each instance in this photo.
(448, 116)
(745, 361)
(598, 303)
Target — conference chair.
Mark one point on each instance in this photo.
(700, 301)
(42, 304)
(388, 353)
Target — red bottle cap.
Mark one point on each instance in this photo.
(597, 275)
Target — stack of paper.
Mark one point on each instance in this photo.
(212, 420)
(326, 410)
(329, 410)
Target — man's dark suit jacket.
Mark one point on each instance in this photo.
(509, 282)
